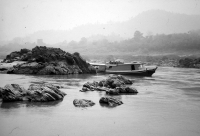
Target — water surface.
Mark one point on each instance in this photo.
(168, 103)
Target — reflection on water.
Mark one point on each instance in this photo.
(168, 103)
(104, 105)
(10, 105)
(43, 104)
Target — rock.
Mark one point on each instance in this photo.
(26, 68)
(123, 79)
(1, 89)
(112, 92)
(122, 90)
(110, 101)
(85, 89)
(89, 86)
(13, 92)
(131, 90)
(114, 81)
(117, 83)
(102, 89)
(83, 103)
(48, 61)
(113, 85)
(44, 93)
(126, 90)
(101, 83)
(16, 55)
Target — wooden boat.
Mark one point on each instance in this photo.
(134, 68)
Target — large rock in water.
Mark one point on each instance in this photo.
(35, 92)
(114, 81)
(110, 101)
(13, 92)
(113, 85)
(44, 93)
(48, 61)
(83, 103)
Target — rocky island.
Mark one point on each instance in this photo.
(43, 60)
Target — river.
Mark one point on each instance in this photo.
(168, 104)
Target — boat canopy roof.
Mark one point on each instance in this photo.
(100, 64)
(97, 64)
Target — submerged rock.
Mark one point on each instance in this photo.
(48, 61)
(44, 93)
(13, 92)
(110, 101)
(83, 103)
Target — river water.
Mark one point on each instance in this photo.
(168, 104)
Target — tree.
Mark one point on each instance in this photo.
(83, 40)
(138, 36)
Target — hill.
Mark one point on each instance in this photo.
(148, 22)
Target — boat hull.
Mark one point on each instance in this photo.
(147, 72)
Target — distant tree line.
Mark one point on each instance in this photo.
(180, 43)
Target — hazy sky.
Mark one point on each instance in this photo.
(22, 17)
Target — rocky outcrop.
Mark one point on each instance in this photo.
(22, 55)
(110, 101)
(113, 85)
(44, 93)
(48, 61)
(35, 92)
(83, 103)
(13, 92)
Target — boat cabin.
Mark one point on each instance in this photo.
(125, 66)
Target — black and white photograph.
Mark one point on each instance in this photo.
(99, 67)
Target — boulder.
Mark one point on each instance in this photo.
(114, 81)
(102, 89)
(110, 101)
(131, 90)
(83, 103)
(44, 93)
(112, 92)
(124, 80)
(13, 92)
(126, 90)
(85, 89)
(89, 86)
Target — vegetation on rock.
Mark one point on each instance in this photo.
(44, 61)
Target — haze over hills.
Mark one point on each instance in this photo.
(148, 22)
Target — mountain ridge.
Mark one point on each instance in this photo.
(148, 22)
